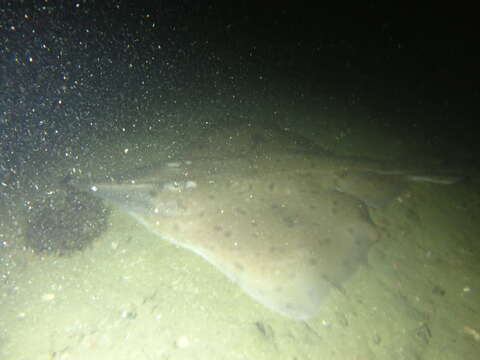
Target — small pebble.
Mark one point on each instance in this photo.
(182, 342)
(48, 297)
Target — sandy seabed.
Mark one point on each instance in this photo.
(132, 295)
